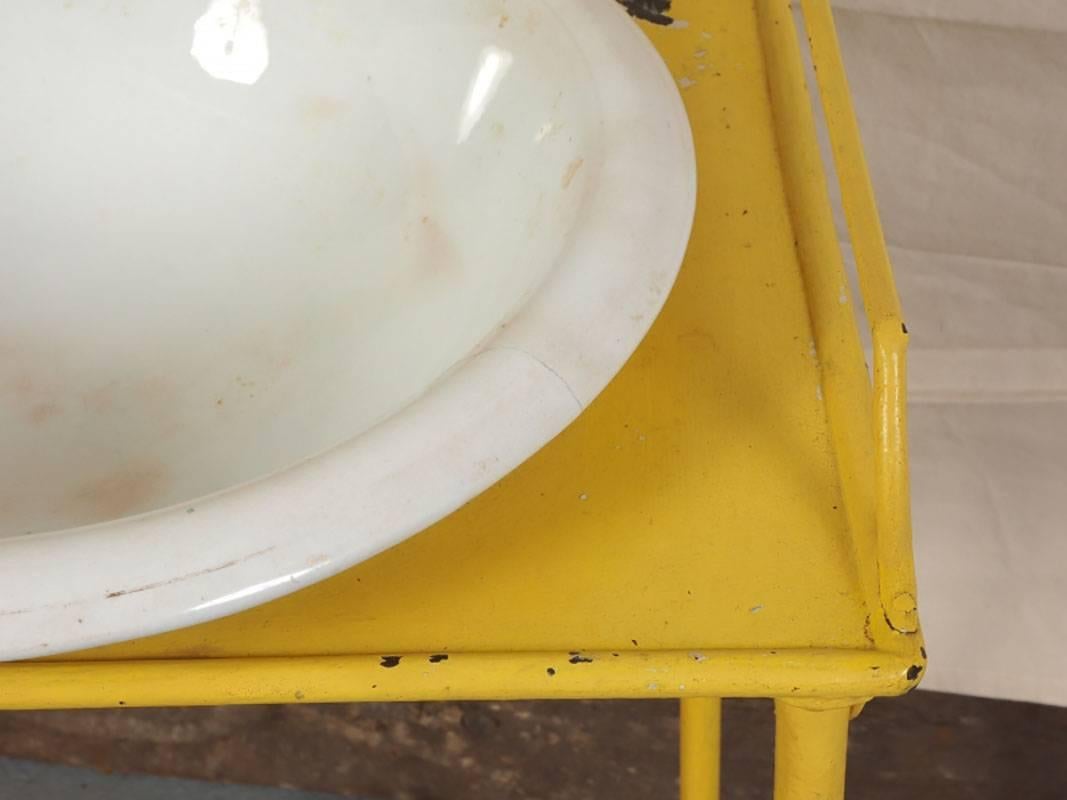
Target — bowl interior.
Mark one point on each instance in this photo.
(237, 235)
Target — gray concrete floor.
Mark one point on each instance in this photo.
(926, 746)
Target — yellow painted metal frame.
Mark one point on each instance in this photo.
(730, 518)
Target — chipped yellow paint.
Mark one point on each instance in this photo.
(729, 517)
(801, 675)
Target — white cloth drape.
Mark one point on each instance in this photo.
(963, 108)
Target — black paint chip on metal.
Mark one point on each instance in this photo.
(654, 11)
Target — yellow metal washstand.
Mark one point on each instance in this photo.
(729, 519)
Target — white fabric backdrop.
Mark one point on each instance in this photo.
(963, 107)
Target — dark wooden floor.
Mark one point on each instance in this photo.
(923, 746)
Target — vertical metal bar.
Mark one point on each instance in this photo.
(810, 747)
(701, 737)
(893, 511)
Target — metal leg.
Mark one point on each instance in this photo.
(810, 748)
(701, 735)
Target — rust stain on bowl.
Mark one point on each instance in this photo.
(100, 399)
(320, 109)
(156, 389)
(41, 413)
(437, 253)
(571, 171)
(119, 494)
(21, 386)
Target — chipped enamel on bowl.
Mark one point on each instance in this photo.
(284, 283)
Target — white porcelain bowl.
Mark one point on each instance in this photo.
(282, 283)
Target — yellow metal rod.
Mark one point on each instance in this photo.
(845, 383)
(857, 194)
(810, 747)
(895, 557)
(455, 676)
(700, 728)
